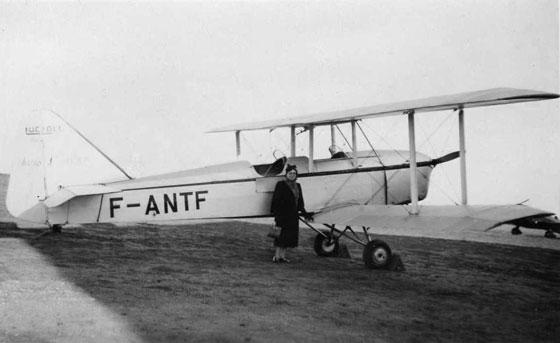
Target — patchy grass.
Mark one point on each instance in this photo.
(216, 282)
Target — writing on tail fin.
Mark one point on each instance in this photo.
(50, 154)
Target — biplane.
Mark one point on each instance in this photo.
(350, 192)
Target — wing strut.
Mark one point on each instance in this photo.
(354, 144)
(412, 148)
(310, 166)
(463, 157)
(293, 141)
(237, 143)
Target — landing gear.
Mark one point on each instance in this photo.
(548, 233)
(56, 228)
(326, 245)
(377, 254)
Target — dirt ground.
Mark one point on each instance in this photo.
(215, 282)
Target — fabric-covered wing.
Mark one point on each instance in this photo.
(454, 222)
(488, 97)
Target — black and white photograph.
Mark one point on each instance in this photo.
(280, 171)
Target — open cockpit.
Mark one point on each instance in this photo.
(271, 169)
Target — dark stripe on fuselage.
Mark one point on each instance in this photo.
(330, 172)
(369, 169)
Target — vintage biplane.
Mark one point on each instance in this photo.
(352, 189)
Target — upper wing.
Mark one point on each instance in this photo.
(488, 97)
(454, 222)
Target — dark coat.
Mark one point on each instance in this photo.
(285, 210)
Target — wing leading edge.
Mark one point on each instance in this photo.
(453, 222)
(488, 97)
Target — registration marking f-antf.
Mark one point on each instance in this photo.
(158, 203)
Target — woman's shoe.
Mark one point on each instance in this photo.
(283, 260)
(276, 259)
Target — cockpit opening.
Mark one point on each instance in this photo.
(271, 169)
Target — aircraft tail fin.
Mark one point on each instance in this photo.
(48, 154)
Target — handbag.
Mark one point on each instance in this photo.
(274, 231)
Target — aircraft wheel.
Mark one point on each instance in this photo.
(549, 234)
(56, 228)
(377, 254)
(326, 246)
(516, 231)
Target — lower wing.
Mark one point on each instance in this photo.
(455, 222)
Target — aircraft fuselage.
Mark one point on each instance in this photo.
(237, 190)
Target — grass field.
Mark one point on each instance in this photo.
(216, 282)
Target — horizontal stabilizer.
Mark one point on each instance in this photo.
(67, 193)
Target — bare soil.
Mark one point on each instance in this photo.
(216, 282)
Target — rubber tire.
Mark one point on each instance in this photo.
(549, 234)
(377, 254)
(56, 228)
(322, 248)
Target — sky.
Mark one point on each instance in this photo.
(145, 80)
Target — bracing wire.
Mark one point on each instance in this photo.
(433, 151)
(284, 144)
(440, 188)
(248, 143)
(343, 136)
(429, 136)
(386, 141)
(370, 145)
(446, 175)
(427, 140)
(385, 186)
(348, 143)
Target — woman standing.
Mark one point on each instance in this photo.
(287, 202)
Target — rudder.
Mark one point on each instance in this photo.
(49, 154)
